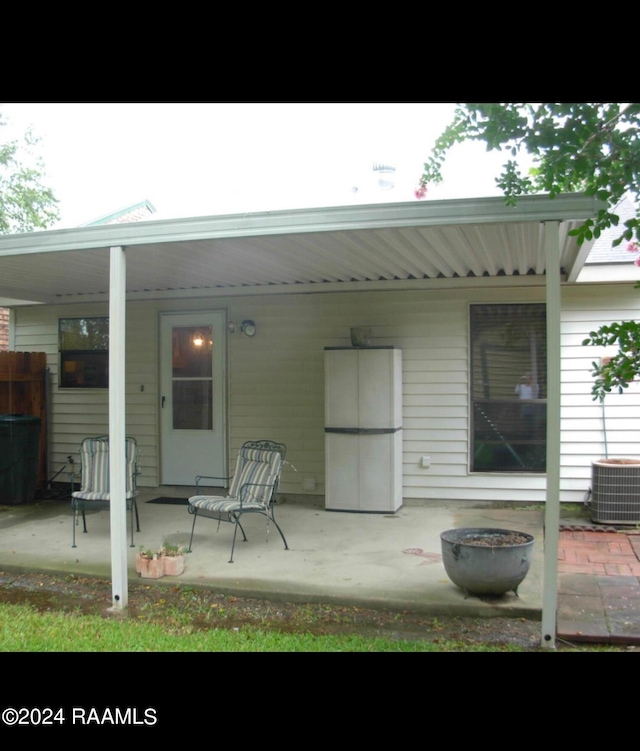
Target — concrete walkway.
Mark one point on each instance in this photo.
(391, 561)
(372, 560)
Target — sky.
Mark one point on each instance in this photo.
(206, 158)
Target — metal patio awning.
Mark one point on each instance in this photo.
(309, 250)
(326, 249)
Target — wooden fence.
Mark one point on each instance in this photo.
(23, 391)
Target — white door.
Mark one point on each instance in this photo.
(192, 397)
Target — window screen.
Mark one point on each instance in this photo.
(84, 352)
(508, 388)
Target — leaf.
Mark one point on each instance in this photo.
(590, 147)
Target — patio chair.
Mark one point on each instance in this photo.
(94, 490)
(252, 490)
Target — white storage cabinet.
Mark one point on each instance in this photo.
(363, 429)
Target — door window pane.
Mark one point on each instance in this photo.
(192, 375)
(508, 388)
(192, 405)
(192, 346)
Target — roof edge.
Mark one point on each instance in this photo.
(493, 210)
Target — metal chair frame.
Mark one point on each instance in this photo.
(247, 498)
(94, 490)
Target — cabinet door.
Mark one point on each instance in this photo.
(364, 472)
(342, 486)
(363, 388)
(341, 389)
(380, 489)
(379, 388)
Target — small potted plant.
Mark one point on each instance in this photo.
(149, 563)
(172, 559)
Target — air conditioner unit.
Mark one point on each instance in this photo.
(615, 491)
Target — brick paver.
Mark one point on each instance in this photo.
(604, 553)
(604, 605)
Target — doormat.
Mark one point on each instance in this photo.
(170, 501)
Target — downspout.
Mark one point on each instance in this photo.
(47, 432)
(588, 494)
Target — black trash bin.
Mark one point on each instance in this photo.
(19, 450)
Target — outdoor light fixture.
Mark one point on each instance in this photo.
(248, 328)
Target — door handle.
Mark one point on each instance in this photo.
(163, 400)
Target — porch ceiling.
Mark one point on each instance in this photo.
(383, 242)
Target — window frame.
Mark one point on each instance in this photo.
(94, 360)
(534, 439)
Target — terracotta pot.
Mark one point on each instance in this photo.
(149, 568)
(173, 565)
(141, 562)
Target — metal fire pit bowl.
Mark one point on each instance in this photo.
(484, 561)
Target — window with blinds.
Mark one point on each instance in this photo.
(508, 388)
(84, 353)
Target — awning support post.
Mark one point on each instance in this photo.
(117, 421)
(552, 504)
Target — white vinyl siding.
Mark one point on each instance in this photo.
(276, 383)
(79, 413)
(591, 430)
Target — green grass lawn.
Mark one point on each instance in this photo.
(24, 629)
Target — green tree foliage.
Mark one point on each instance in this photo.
(25, 203)
(589, 148)
(593, 148)
(620, 370)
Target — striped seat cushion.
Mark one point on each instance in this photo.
(222, 505)
(86, 496)
(256, 473)
(94, 460)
